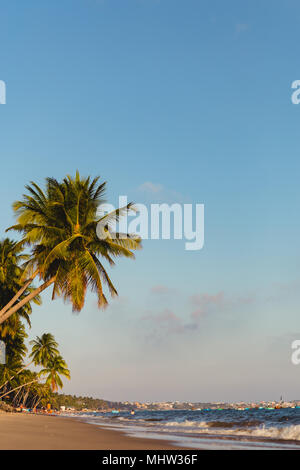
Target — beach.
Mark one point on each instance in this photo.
(20, 431)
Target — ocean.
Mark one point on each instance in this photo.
(214, 429)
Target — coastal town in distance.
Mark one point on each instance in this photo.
(85, 404)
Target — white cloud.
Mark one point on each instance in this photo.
(160, 193)
(150, 187)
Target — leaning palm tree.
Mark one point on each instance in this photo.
(8, 372)
(60, 225)
(44, 349)
(11, 281)
(25, 379)
(55, 367)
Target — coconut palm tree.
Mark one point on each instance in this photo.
(13, 330)
(54, 369)
(11, 281)
(44, 348)
(11, 258)
(7, 374)
(15, 353)
(14, 337)
(39, 392)
(25, 379)
(60, 225)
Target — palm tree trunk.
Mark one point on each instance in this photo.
(18, 294)
(15, 397)
(22, 393)
(26, 299)
(17, 388)
(25, 397)
(17, 373)
(34, 400)
(37, 402)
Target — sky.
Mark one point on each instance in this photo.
(168, 101)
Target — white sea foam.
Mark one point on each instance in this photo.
(202, 427)
(210, 428)
(187, 423)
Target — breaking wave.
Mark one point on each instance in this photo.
(287, 433)
(263, 426)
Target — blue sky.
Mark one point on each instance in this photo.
(194, 97)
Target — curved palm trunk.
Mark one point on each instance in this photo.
(17, 373)
(15, 397)
(37, 402)
(26, 299)
(18, 294)
(17, 388)
(25, 396)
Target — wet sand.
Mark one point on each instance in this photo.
(37, 432)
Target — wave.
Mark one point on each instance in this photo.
(244, 429)
(214, 424)
(285, 433)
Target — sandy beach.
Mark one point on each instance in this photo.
(36, 432)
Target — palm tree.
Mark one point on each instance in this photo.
(11, 281)
(60, 224)
(14, 335)
(11, 257)
(33, 377)
(13, 330)
(7, 374)
(15, 353)
(39, 392)
(55, 368)
(44, 348)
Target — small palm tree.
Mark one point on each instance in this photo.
(41, 393)
(44, 348)
(26, 378)
(55, 368)
(60, 224)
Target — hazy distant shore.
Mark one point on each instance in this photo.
(36, 432)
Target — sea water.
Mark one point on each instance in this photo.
(233, 429)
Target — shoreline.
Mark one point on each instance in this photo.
(38, 432)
